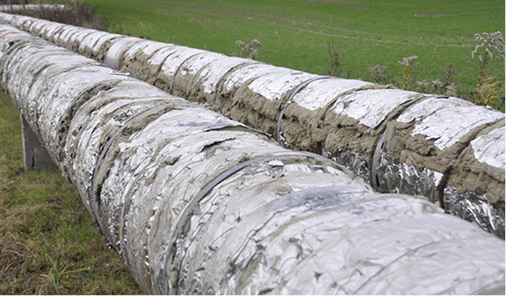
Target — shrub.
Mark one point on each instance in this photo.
(249, 50)
(489, 90)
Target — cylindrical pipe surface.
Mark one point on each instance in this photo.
(197, 203)
(399, 141)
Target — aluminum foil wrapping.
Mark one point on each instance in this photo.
(16, 7)
(197, 203)
(136, 56)
(318, 94)
(435, 133)
(114, 57)
(480, 199)
(187, 71)
(97, 122)
(342, 119)
(411, 180)
(210, 77)
(166, 76)
(273, 245)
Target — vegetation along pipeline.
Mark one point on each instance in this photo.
(444, 148)
(195, 202)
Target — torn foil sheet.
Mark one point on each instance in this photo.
(474, 207)
(239, 77)
(273, 85)
(456, 117)
(294, 225)
(371, 107)
(403, 178)
(116, 51)
(490, 148)
(352, 160)
(213, 73)
(319, 93)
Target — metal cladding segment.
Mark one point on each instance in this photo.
(455, 118)
(153, 64)
(99, 120)
(300, 125)
(351, 125)
(20, 21)
(64, 39)
(477, 194)
(15, 45)
(12, 8)
(75, 40)
(255, 93)
(112, 119)
(324, 240)
(318, 94)
(6, 18)
(51, 31)
(195, 202)
(43, 28)
(173, 156)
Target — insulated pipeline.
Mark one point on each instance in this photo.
(432, 145)
(446, 149)
(197, 203)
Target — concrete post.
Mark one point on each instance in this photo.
(35, 155)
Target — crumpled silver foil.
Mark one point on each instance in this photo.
(352, 160)
(200, 75)
(474, 207)
(397, 177)
(197, 203)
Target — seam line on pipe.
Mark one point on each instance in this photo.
(171, 88)
(375, 158)
(215, 182)
(113, 59)
(380, 143)
(292, 95)
(221, 81)
(108, 145)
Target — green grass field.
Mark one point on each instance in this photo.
(294, 33)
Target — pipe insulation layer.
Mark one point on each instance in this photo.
(446, 149)
(197, 203)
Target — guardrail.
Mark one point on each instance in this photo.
(444, 148)
(197, 203)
